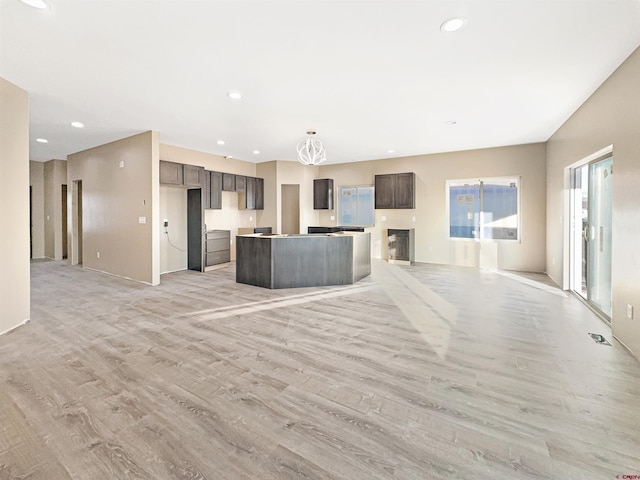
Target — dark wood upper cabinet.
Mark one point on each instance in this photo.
(206, 190)
(395, 190)
(323, 194)
(384, 189)
(216, 191)
(171, 173)
(251, 194)
(404, 195)
(193, 176)
(259, 194)
(228, 182)
(241, 183)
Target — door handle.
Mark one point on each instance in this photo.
(585, 232)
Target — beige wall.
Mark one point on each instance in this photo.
(114, 198)
(610, 117)
(55, 175)
(36, 181)
(269, 216)
(14, 206)
(294, 173)
(173, 247)
(230, 217)
(431, 224)
(290, 211)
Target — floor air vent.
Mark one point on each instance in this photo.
(599, 339)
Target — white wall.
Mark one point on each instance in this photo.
(14, 206)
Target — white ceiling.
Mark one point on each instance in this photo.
(369, 76)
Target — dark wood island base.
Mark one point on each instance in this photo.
(288, 261)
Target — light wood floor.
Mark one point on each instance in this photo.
(422, 372)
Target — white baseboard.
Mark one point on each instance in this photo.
(14, 327)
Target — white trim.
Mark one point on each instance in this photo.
(566, 199)
(480, 182)
(119, 276)
(14, 327)
(594, 156)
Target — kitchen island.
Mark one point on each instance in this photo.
(287, 261)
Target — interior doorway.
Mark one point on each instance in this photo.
(76, 231)
(65, 236)
(290, 209)
(591, 238)
(30, 222)
(195, 230)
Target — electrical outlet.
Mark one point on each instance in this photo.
(166, 223)
(97, 254)
(413, 219)
(630, 311)
(333, 217)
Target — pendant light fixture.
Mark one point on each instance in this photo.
(311, 151)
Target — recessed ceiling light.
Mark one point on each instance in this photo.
(234, 95)
(256, 152)
(453, 24)
(77, 124)
(220, 142)
(42, 140)
(36, 3)
(390, 151)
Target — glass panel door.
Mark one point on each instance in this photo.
(600, 197)
(591, 199)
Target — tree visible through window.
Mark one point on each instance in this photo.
(484, 209)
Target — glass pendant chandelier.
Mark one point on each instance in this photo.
(311, 151)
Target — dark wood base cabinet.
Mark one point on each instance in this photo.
(291, 261)
(218, 249)
(401, 246)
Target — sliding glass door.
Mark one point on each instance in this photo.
(591, 198)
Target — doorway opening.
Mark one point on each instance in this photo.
(290, 209)
(30, 222)
(591, 233)
(195, 230)
(76, 231)
(65, 237)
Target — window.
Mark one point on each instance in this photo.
(355, 206)
(484, 209)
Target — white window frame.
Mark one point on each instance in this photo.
(481, 181)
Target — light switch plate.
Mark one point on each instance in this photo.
(142, 219)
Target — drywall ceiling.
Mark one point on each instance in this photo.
(376, 79)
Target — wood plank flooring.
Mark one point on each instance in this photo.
(420, 372)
